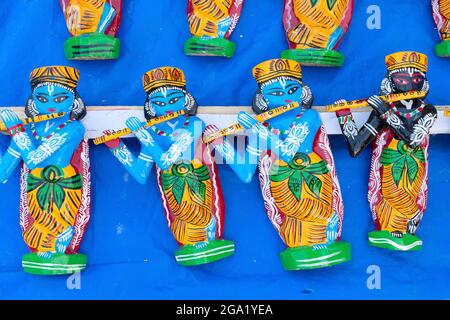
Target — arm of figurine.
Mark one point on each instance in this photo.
(414, 135)
(8, 162)
(358, 140)
(31, 155)
(301, 136)
(108, 15)
(243, 164)
(139, 167)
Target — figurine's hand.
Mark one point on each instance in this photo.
(112, 144)
(378, 105)
(212, 129)
(246, 120)
(134, 124)
(342, 112)
(11, 121)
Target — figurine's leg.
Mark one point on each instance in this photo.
(64, 240)
(107, 17)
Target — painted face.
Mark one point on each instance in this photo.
(282, 92)
(408, 81)
(52, 98)
(165, 100)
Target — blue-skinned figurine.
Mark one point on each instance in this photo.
(186, 171)
(55, 185)
(296, 169)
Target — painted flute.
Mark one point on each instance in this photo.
(36, 119)
(394, 97)
(260, 118)
(123, 132)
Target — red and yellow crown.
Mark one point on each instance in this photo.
(67, 76)
(163, 76)
(275, 68)
(407, 59)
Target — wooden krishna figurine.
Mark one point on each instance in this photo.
(289, 145)
(55, 176)
(185, 167)
(314, 29)
(93, 25)
(211, 23)
(399, 133)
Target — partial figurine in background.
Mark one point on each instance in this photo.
(398, 183)
(441, 14)
(211, 23)
(93, 25)
(55, 177)
(186, 171)
(314, 29)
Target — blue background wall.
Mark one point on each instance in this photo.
(129, 246)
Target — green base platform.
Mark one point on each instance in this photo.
(384, 239)
(93, 46)
(57, 264)
(190, 256)
(215, 47)
(314, 57)
(304, 258)
(443, 49)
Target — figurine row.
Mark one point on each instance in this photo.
(314, 28)
(287, 145)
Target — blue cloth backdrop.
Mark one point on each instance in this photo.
(129, 246)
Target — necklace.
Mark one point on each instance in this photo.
(165, 134)
(281, 132)
(407, 114)
(41, 138)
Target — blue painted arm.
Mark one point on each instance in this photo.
(8, 162)
(301, 136)
(139, 167)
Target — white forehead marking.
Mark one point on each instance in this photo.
(283, 82)
(164, 92)
(51, 89)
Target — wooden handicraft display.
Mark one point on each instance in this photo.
(93, 25)
(55, 176)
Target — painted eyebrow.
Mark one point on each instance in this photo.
(42, 93)
(292, 85)
(61, 94)
(276, 88)
(157, 97)
(171, 94)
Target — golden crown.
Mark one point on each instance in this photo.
(163, 76)
(67, 76)
(275, 68)
(407, 59)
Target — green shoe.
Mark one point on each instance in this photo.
(93, 46)
(443, 49)
(215, 250)
(214, 47)
(384, 239)
(314, 57)
(305, 257)
(57, 264)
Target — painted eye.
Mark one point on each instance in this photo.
(42, 99)
(160, 103)
(174, 100)
(277, 93)
(293, 90)
(60, 99)
(401, 81)
(417, 80)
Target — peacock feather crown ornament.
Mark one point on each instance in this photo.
(64, 75)
(275, 68)
(407, 59)
(163, 76)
